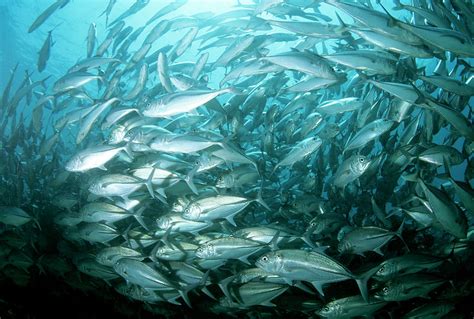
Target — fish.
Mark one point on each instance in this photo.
(404, 287)
(363, 239)
(350, 170)
(59, 4)
(446, 212)
(94, 157)
(407, 264)
(181, 102)
(350, 306)
(317, 268)
(299, 152)
(45, 52)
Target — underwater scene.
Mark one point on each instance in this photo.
(236, 158)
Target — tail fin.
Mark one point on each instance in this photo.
(40, 266)
(139, 218)
(189, 179)
(224, 283)
(362, 280)
(260, 200)
(149, 184)
(398, 233)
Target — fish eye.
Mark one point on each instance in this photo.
(265, 258)
(361, 160)
(385, 290)
(325, 308)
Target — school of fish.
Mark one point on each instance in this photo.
(318, 166)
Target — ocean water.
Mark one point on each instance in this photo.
(278, 182)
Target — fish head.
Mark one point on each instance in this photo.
(102, 258)
(271, 262)
(385, 270)
(178, 207)
(74, 165)
(152, 108)
(117, 135)
(387, 292)
(95, 188)
(192, 212)
(330, 310)
(313, 226)
(359, 164)
(344, 246)
(162, 251)
(225, 181)
(163, 222)
(312, 143)
(121, 268)
(207, 250)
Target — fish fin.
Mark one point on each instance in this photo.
(102, 167)
(160, 197)
(244, 259)
(398, 233)
(303, 287)
(125, 235)
(40, 266)
(274, 242)
(153, 253)
(161, 191)
(319, 287)
(321, 249)
(164, 239)
(420, 98)
(36, 222)
(398, 5)
(139, 218)
(267, 304)
(288, 281)
(189, 179)
(362, 282)
(127, 148)
(392, 22)
(447, 169)
(231, 220)
(343, 26)
(378, 250)
(208, 293)
(274, 169)
(259, 198)
(224, 283)
(184, 295)
(42, 82)
(149, 184)
(307, 239)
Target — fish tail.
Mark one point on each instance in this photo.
(224, 285)
(40, 266)
(149, 184)
(398, 5)
(139, 218)
(398, 233)
(128, 149)
(362, 280)
(184, 295)
(260, 200)
(189, 179)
